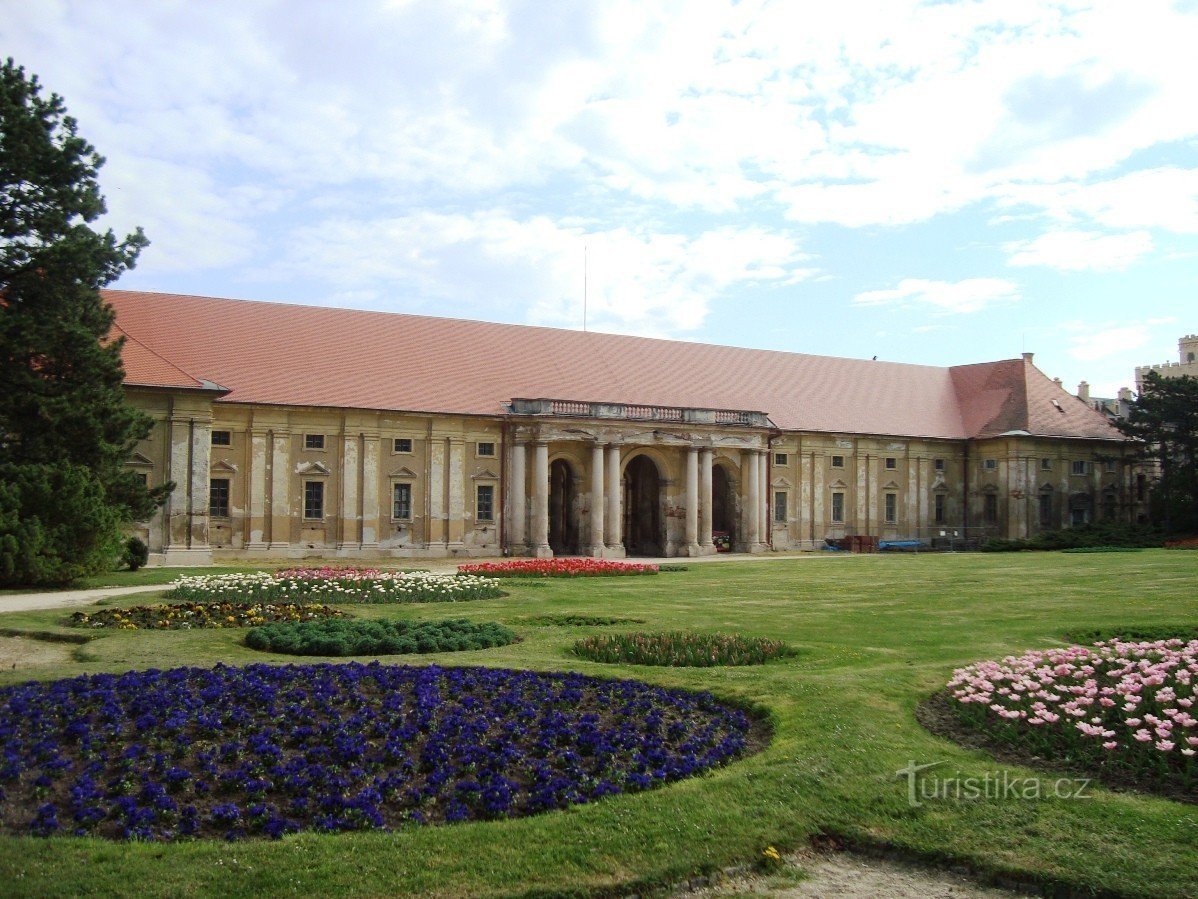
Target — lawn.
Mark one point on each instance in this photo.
(874, 635)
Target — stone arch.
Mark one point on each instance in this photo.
(563, 508)
(725, 505)
(644, 523)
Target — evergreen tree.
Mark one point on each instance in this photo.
(1164, 417)
(66, 429)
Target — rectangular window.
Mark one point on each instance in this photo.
(486, 449)
(891, 463)
(780, 506)
(485, 502)
(781, 459)
(1045, 510)
(838, 461)
(1108, 465)
(313, 499)
(222, 438)
(938, 464)
(838, 507)
(990, 464)
(314, 441)
(940, 500)
(1080, 467)
(218, 498)
(891, 508)
(990, 508)
(402, 445)
(1046, 464)
(401, 502)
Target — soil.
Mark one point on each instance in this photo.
(19, 653)
(937, 716)
(847, 875)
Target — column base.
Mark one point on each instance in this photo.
(278, 547)
(691, 550)
(194, 555)
(542, 552)
(707, 549)
(614, 551)
(258, 546)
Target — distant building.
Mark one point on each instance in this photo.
(1187, 364)
(293, 431)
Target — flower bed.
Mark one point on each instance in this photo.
(267, 749)
(337, 585)
(681, 649)
(1123, 708)
(357, 638)
(557, 568)
(188, 615)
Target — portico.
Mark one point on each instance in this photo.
(612, 480)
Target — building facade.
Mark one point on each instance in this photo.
(1186, 364)
(296, 431)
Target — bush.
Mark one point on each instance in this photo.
(679, 649)
(136, 553)
(359, 638)
(1100, 534)
(190, 615)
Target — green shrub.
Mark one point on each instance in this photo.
(339, 637)
(1136, 633)
(679, 649)
(1100, 534)
(581, 620)
(136, 553)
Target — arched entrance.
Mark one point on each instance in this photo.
(723, 509)
(563, 525)
(642, 508)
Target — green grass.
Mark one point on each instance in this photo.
(875, 635)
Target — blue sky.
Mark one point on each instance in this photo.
(936, 182)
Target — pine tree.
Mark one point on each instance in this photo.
(1164, 419)
(66, 429)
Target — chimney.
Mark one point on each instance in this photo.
(1083, 391)
(1125, 395)
(1057, 381)
(1027, 358)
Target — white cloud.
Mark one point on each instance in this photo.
(969, 295)
(649, 283)
(1107, 341)
(1081, 250)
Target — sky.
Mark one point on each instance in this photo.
(936, 183)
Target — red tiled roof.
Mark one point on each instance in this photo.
(145, 368)
(316, 356)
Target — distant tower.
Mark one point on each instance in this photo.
(1186, 364)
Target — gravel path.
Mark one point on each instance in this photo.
(62, 599)
(845, 875)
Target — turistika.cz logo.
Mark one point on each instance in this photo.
(990, 786)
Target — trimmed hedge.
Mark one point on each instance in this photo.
(681, 649)
(1102, 534)
(358, 638)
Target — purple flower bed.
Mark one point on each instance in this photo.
(267, 750)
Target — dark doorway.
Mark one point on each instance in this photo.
(642, 508)
(563, 525)
(723, 509)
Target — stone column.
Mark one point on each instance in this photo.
(437, 527)
(598, 498)
(763, 504)
(350, 536)
(517, 500)
(615, 498)
(255, 538)
(752, 512)
(706, 547)
(201, 461)
(178, 505)
(455, 523)
(370, 492)
(280, 490)
(540, 502)
(692, 501)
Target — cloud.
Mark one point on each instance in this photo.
(1107, 341)
(969, 295)
(639, 281)
(1081, 250)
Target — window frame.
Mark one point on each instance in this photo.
(781, 505)
(836, 464)
(781, 460)
(489, 517)
(1080, 468)
(990, 465)
(309, 484)
(478, 449)
(314, 442)
(890, 507)
(835, 514)
(1045, 464)
(213, 510)
(940, 508)
(891, 463)
(397, 450)
(990, 508)
(396, 486)
(938, 465)
(225, 437)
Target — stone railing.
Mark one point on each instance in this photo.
(634, 412)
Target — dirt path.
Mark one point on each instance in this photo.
(845, 875)
(27, 602)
